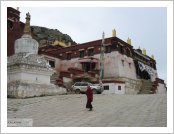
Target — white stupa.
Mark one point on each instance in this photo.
(28, 73)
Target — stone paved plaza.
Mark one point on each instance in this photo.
(109, 110)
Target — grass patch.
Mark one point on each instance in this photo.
(12, 109)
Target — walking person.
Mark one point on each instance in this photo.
(89, 95)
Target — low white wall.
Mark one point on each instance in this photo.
(113, 88)
(161, 89)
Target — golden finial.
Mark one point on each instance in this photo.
(144, 51)
(27, 29)
(113, 33)
(152, 57)
(129, 41)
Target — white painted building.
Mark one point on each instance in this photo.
(114, 88)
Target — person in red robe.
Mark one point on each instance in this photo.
(89, 95)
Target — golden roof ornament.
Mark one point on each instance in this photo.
(27, 29)
(144, 51)
(113, 33)
(129, 41)
(59, 43)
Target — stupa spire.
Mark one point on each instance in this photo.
(27, 29)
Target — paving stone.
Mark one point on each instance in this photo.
(109, 110)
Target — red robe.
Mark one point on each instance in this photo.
(89, 94)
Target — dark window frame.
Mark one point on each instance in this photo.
(90, 51)
(119, 87)
(52, 63)
(82, 54)
(129, 65)
(122, 61)
(106, 87)
(68, 56)
(108, 49)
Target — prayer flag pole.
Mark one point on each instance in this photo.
(102, 58)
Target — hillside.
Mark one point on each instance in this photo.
(45, 35)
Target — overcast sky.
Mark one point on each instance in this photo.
(147, 27)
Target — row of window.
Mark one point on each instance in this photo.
(123, 63)
(120, 48)
(82, 54)
(108, 49)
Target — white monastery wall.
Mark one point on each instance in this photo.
(118, 65)
(161, 89)
(113, 88)
(113, 65)
(65, 64)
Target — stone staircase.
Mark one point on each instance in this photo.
(53, 78)
(146, 87)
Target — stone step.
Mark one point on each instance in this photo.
(146, 87)
(53, 77)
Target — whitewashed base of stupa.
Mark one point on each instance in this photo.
(28, 75)
(20, 89)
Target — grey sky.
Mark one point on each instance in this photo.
(147, 27)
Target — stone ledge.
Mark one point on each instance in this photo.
(20, 89)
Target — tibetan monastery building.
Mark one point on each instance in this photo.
(124, 66)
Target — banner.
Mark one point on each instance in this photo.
(143, 67)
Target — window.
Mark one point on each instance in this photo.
(119, 87)
(82, 54)
(77, 84)
(88, 66)
(122, 62)
(84, 84)
(114, 47)
(107, 49)
(129, 65)
(68, 56)
(9, 25)
(121, 49)
(90, 52)
(52, 63)
(106, 87)
(128, 52)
